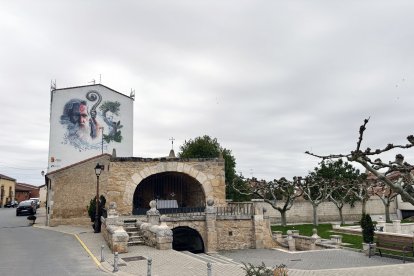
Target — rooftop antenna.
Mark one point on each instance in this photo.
(132, 94)
(52, 85)
(92, 81)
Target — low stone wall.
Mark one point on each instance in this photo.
(235, 234)
(301, 211)
(158, 236)
(113, 231)
(396, 227)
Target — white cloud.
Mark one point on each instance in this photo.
(269, 79)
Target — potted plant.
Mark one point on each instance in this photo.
(367, 228)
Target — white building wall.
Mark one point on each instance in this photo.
(76, 135)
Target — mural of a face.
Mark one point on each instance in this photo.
(84, 122)
(83, 115)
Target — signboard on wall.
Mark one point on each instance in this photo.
(87, 121)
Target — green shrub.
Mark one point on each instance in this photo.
(262, 270)
(92, 207)
(367, 228)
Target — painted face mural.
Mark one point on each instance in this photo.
(85, 124)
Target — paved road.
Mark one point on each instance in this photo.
(26, 250)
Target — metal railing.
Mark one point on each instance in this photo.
(241, 208)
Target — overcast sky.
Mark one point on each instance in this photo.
(268, 79)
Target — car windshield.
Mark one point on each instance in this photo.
(25, 203)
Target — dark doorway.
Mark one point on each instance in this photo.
(187, 239)
(174, 192)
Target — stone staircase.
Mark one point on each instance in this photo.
(134, 236)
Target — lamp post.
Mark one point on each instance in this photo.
(98, 170)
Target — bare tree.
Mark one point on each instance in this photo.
(361, 190)
(385, 193)
(364, 157)
(316, 190)
(280, 194)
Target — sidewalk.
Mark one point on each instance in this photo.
(171, 262)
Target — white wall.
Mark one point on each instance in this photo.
(302, 211)
(70, 143)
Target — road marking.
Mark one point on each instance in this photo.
(87, 250)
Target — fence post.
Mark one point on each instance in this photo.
(115, 262)
(208, 269)
(102, 255)
(149, 267)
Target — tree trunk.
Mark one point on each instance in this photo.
(315, 215)
(387, 213)
(364, 206)
(283, 215)
(341, 216)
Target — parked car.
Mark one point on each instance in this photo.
(11, 204)
(36, 200)
(27, 207)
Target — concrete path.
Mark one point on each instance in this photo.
(169, 262)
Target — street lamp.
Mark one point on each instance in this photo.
(98, 169)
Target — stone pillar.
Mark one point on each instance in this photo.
(397, 226)
(336, 239)
(315, 235)
(153, 215)
(291, 241)
(211, 217)
(258, 223)
(336, 225)
(114, 232)
(164, 235)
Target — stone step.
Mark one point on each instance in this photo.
(135, 238)
(131, 229)
(134, 243)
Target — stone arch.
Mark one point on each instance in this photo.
(189, 169)
(187, 239)
(173, 192)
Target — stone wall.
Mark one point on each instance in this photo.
(235, 234)
(128, 173)
(72, 189)
(301, 211)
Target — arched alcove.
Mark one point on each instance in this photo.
(174, 192)
(187, 239)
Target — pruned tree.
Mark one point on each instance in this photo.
(385, 193)
(280, 194)
(315, 190)
(341, 178)
(403, 186)
(360, 190)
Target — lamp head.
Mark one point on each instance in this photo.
(98, 169)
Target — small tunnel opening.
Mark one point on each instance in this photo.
(187, 239)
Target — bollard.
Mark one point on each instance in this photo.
(115, 262)
(102, 255)
(149, 267)
(208, 269)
